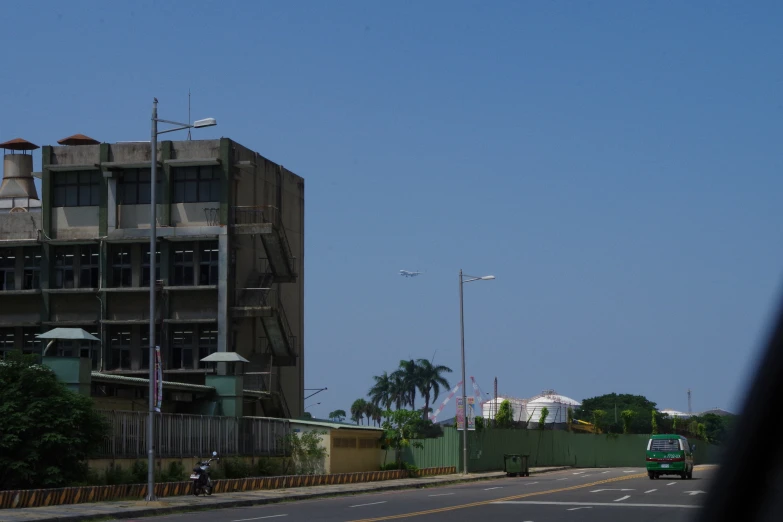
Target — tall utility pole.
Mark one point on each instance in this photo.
(689, 402)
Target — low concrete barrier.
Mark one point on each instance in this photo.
(78, 495)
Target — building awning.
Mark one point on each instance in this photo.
(224, 357)
(68, 333)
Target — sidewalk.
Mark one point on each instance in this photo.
(140, 508)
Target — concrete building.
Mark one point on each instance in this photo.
(228, 267)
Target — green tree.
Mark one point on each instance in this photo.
(675, 423)
(570, 419)
(399, 432)
(598, 417)
(654, 422)
(627, 416)
(307, 454)
(504, 418)
(430, 379)
(542, 418)
(47, 432)
(337, 416)
(358, 409)
(479, 424)
(637, 403)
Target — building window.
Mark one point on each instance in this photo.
(145, 267)
(196, 184)
(32, 268)
(207, 343)
(145, 345)
(182, 344)
(183, 264)
(81, 348)
(64, 261)
(208, 263)
(77, 189)
(121, 266)
(134, 187)
(6, 341)
(7, 269)
(89, 263)
(120, 342)
(30, 343)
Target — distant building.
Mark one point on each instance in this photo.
(228, 267)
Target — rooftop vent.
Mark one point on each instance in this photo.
(78, 139)
(18, 181)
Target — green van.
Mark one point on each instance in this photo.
(669, 455)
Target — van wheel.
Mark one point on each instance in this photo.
(651, 475)
(684, 475)
(690, 474)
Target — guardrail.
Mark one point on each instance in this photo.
(193, 435)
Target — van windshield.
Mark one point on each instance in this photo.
(665, 445)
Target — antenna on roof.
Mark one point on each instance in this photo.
(689, 401)
(188, 114)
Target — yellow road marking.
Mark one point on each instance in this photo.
(515, 497)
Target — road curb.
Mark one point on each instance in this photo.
(228, 504)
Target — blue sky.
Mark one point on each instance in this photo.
(615, 164)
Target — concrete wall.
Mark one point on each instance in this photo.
(191, 214)
(23, 225)
(364, 453)
(75, 222)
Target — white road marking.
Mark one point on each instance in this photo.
(632, 471)
(370, 504)
(671, 483)
(496, 487)
(584, 476)
(692, 493)
(604, 472)
(530, 483)
(577, 509)
(599, 490)
(651, 491)
(602, 504)
(441, 495)
(579, 472)
(623, 498)
(563, 478)
(258, 518)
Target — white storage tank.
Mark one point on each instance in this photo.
(489, 409)
(556, 404)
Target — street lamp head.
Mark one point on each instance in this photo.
(206, 122)
(488, 278)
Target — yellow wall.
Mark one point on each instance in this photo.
(354, 450)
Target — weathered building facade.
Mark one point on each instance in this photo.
(228, 265)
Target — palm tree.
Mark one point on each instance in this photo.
(377, 415)
(369, 411)
(358, 408)
(382, 391)
(398, 392)
(430, 380)
(409, 371)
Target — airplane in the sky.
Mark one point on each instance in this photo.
(405, 273)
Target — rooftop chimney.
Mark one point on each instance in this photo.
(18, 171)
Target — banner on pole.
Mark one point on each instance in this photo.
(461, 414)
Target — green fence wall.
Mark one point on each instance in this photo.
(545, 448)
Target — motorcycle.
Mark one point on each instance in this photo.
(200, 476)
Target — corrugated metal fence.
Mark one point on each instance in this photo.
(193, 435)
(545, 448)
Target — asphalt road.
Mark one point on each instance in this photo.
(578, 495)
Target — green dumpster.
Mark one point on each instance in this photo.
(515, 465)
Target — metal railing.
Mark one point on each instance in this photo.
(266, 297)
(256, 215)
(193, 435)
(213, 216)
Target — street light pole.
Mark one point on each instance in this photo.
(153, 251)
(208, 122)
(464, 383)
(462, 282)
